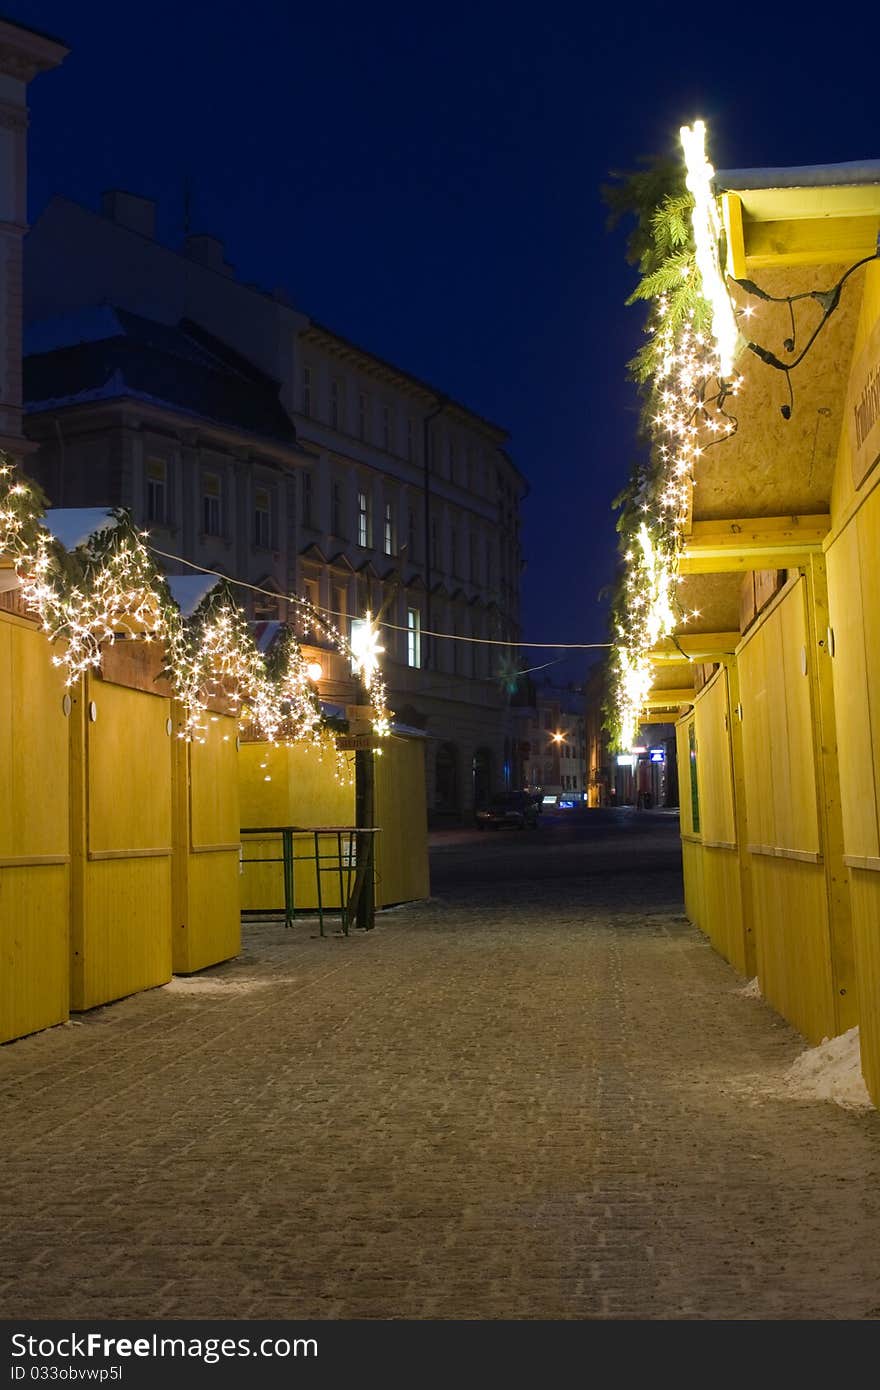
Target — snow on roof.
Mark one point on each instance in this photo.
(805, 176)
(188, 590)
(74, 526)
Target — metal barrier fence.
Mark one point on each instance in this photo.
(351, 861)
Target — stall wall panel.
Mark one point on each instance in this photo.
(722, 904)
(868, 525)
(794, 957)
(715, 763)
(289, 786)
(207, 919)
(121, 901)
(34, 834)
(692, 869)
(856, 721)
(865, 897)
(402, 873)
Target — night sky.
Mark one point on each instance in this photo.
(425, 180)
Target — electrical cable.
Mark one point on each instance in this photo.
(395, 627)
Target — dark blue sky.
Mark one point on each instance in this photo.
(425, 179)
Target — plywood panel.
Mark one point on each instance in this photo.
(868, 525)
(791, 927)
(856, 740)
(722, 904)
(33, 745)
(756, 740)
(692, 869)
(125, 942)
(402, 852)
(715, 767)
(128, 757)
(865, 898)
(34, 949)
(799, 773)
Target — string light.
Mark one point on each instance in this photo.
(691, 384)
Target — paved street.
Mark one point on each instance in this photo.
(538, 1095)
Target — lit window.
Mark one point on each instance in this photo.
(262, 518)
(307, 391)
(307, 499)
(413, 637)
(211, 509)
(388, 530)
(363, 519)
(157, 491)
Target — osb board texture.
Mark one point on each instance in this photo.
(773, 466)
(715, 597)
(843, 490)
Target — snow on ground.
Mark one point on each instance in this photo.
(190, 984)
(750, 991)
(831, 1071)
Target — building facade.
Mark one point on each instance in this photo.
(551, 741)
(255, 441)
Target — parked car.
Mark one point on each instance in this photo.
(516, 810)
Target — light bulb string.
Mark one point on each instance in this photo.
(395, 627)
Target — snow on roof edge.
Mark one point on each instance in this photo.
(806, 176)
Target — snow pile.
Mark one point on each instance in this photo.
(190, 985)
(831, 1071)
(750, 991)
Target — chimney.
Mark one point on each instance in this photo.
(208, 251)
(129, 210)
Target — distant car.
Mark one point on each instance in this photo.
(517, 810)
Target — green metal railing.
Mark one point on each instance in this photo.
(351, 861)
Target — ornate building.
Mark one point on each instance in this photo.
(255, 441)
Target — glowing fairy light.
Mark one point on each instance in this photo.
(707, 232)
(365, 649)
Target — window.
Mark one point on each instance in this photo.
(363, 519)
(410, 438)
(307, 391)
(312, 591)
(157, 491)
(211, 508)
(336, 403)
(336, 510)
(388, 529)
(386, 427)
(413, 637)
(266, 608)
(362, 414)
(340, 607)
(262, 518)
(307, 500)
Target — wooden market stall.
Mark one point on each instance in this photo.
(34, 830)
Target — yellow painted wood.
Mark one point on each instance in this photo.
(800, 909)
(868, 532)
(804, 241)
(206, 915)
(824, 731)
(744, 859)
(701, 646)
(865, 898)
(121, 837)
(289, 786)
(843, 493)
(732, 217)
(692, 869)
(715, 768)
(34, 834)
(749, 543)
(402, 873)
(856, 722)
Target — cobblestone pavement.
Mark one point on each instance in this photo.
(536, 1096)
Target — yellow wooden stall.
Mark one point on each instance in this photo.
(724, 921)
(402, 873)
(34, 844)
(853, 558)
(121, 829)
(206, 915)
(289, 786)
(801, 943)
(691, 838)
